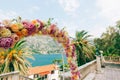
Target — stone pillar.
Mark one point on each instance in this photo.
(98, 64)
(15, 75)
(102, 61)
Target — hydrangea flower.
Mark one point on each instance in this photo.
(6, 42)
(30, 27)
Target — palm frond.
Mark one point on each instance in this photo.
(19, 44)
(83, 47)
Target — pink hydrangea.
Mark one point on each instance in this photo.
(30, 27)
(6, 42)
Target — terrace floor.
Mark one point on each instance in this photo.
(110, 72)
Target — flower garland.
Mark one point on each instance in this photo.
(11, 31)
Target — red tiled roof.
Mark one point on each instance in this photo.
(42, 70)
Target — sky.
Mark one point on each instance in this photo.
(93, 16)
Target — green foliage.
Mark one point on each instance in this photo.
(66, 67)
(16, 59)
(84, 49)
(109, 41)
(57, 61)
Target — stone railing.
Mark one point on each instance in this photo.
(84, 70)
(112, 59)
(13, 76)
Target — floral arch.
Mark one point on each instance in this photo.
(11, 31)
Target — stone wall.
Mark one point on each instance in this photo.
(84, 70)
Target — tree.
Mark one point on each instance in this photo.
(84, 50)
(57, 61)
(109, 41)
(15, 59)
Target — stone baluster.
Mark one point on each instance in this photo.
(98, 64)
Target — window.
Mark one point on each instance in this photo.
(45, 76)
(42, 77)
(36, 75)
(52, 72)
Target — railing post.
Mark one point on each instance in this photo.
(118, 59)
(15, 76)
(110, 59)
(10, 76)
(102, 61)
(98, 64)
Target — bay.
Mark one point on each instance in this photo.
(45, 59)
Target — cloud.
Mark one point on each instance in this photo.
(97, 30)
(69, 5)
(109, 9)
(7, 14)
(72, 27)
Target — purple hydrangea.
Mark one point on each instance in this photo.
(30, 27)
(6, 42)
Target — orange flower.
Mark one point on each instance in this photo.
(34, 22)
(14, 27)
(75, 77)
(19, 33)
(24, 32)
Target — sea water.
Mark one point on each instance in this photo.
(45, 59)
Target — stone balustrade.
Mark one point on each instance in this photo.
(84, 70)
(13, 76)
(112, 58)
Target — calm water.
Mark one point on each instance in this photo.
(41, 60)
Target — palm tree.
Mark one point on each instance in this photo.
(15, 59)
(84, 49)
(57, 61)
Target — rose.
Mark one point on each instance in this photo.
(5, 32)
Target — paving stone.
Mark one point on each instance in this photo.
(111, 72)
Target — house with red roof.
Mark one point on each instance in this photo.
(47, 72)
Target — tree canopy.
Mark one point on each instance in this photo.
(109, 41)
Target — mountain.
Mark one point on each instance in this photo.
(43, 44)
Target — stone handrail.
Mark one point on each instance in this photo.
(21, 77)
(13, 76)
(112, 58)
(10, 76)
(84, 70)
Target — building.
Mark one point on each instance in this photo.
(47, 72)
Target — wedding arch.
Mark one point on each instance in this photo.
(12, 31)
